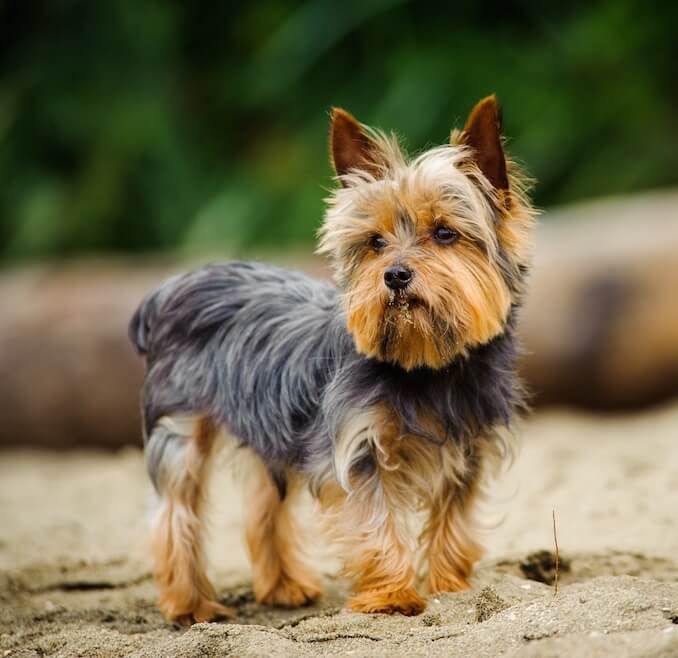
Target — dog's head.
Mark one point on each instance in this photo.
(430, 252)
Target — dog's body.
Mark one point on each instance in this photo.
(382, 398)
(265, 353)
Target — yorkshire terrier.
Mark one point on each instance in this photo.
(383, 396)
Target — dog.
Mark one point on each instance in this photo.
(383, 395)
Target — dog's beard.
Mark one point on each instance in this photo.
(413, 335)
(403, 329)
(399, 308)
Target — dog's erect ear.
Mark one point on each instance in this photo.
(350, 146)
(482, 133)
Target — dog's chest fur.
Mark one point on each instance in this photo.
(421, 424)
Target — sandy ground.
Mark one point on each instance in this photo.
(75, 580)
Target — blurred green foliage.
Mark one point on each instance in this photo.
(136, 124)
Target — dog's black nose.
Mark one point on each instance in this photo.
(397, 277)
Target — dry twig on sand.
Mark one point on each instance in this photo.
(555, 539)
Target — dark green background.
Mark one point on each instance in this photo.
(138, 124)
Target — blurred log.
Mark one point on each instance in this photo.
(601, 321)
(67, 373)
(600, 327)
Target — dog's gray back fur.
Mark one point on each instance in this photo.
(265, 352)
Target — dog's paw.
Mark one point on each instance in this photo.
(203, 610)
(405, 601)
(288, 593)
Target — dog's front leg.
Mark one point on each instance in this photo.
(377, 556)
(448, 537)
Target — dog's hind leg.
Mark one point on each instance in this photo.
(178, 454)
(275, 541)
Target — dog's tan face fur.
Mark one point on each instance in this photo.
(454, 217)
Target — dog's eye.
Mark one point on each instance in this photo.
(377, 242)
(444, 235)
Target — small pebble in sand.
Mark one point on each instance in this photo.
(432, 619)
